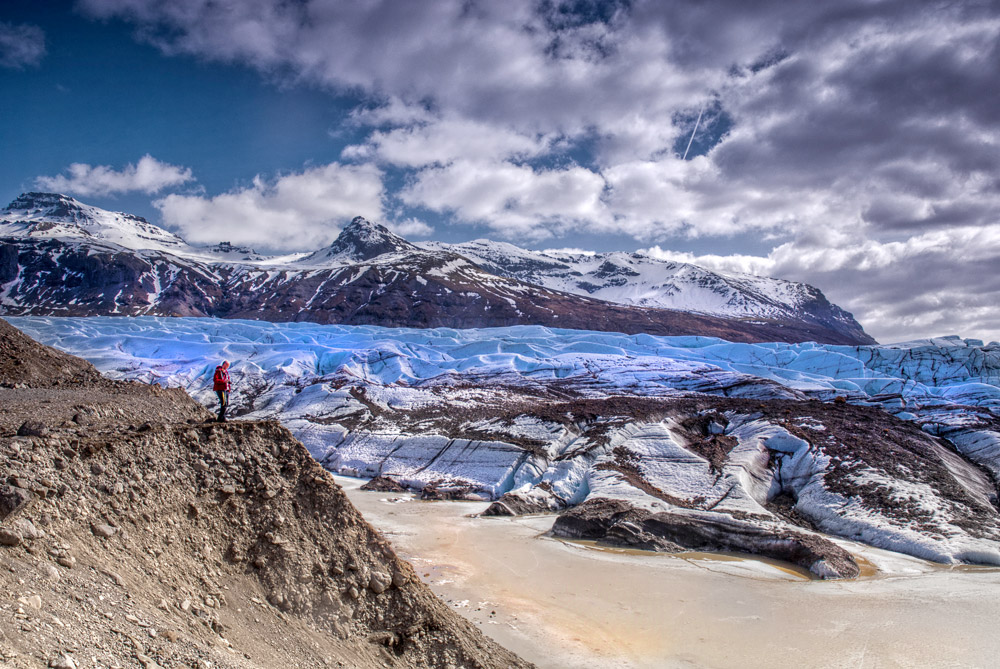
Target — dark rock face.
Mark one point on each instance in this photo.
(228, 248)
(53, 204)
(8, 262)
(106, 270)
(70, 279)
(822, 313)
(13, 500)
(618, 523)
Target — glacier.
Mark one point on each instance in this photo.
(183, 351)
(693, 438)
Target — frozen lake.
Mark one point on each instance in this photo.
(568, 605)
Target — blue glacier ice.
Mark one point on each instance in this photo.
(183, 351)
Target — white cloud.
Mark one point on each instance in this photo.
(147, 176)
(294, 212)
(514, 200)
(443, 141)
(493, 62)
(411, 227)
(392, 112)
(21, 45)
(734, 264)
(570, 251)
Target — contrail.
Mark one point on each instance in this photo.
(693, 132)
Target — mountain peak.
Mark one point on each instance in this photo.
(361, 226)
(35, 198)
(48, 205)
(362, 240)
(58, 207)
(37, 214)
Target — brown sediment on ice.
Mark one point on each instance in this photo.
(616, 522)
(871, 460)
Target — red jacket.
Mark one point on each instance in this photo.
(221, 379)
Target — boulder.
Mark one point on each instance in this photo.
(616, 522)
(379, 582)
(10, 537)
(32, 428)
(13, 500)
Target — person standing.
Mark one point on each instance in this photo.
(220, 384)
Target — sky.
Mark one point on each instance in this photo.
(853, 145)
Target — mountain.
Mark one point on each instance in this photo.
(53, 216)
(360, 240)
(62, 257)
(638, 280)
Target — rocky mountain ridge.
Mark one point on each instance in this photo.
(639, 280)
(60, 257)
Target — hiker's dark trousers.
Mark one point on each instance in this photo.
(223, 403)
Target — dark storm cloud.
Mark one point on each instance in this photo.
(926, 292)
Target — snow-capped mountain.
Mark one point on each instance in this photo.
(360, 240)
(59, 256)
(54, 216)
(639, 280)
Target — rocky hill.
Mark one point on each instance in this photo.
(134, 533)
(61, 257)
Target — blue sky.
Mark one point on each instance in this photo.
(849, 145)
(100, 97)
